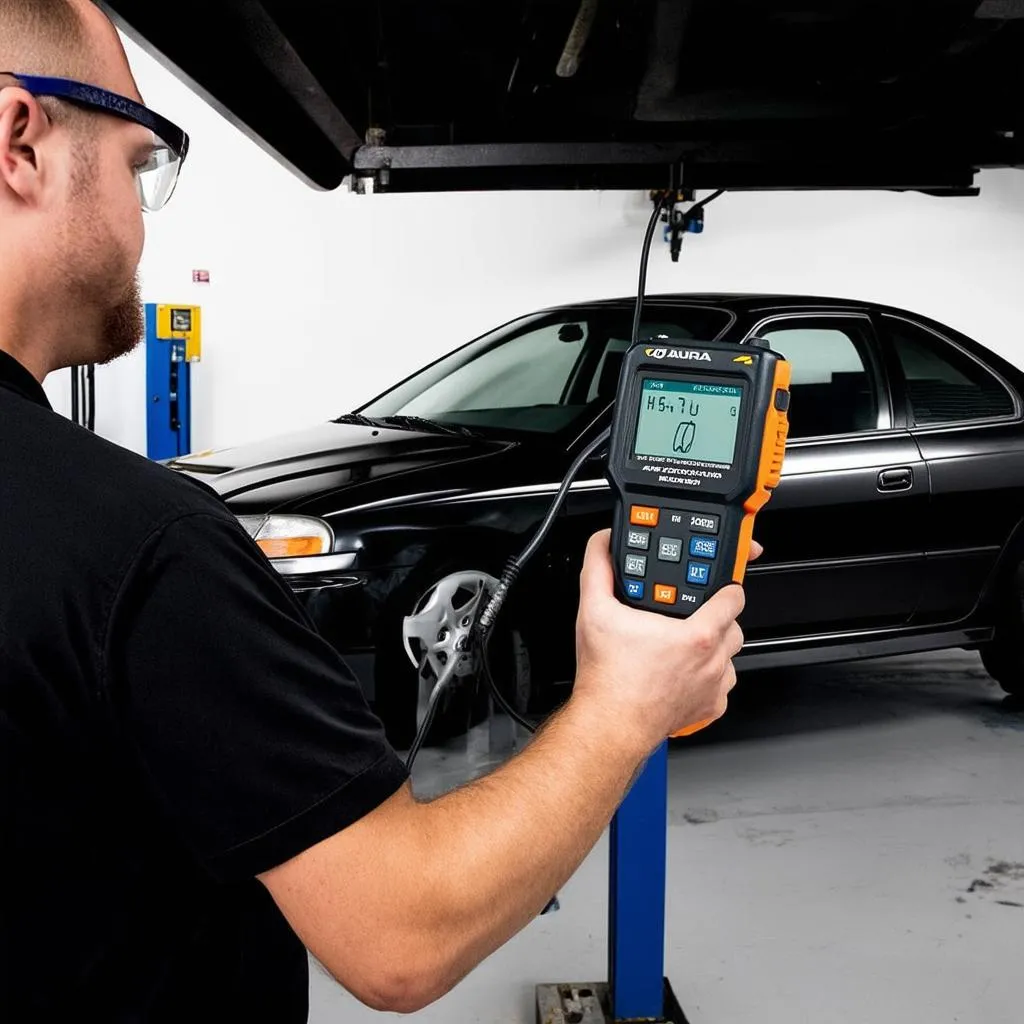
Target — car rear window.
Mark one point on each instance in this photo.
(943, 383)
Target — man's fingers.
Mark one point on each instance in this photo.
(730, 678)
(756, 551)
(734, 640)
(722, 609)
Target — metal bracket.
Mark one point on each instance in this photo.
(502, 166)
(589, 1003)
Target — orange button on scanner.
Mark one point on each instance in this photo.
(665, 594)
(641, 515)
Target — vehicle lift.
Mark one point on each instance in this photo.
(173, 344)
(637, 989)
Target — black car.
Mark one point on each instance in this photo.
(897, 526)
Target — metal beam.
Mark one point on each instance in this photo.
(276, 53)
(583, 154)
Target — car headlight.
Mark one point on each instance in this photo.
(289, 536)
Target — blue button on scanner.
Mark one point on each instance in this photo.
(635, 590)
(704, 547)
(698, 574)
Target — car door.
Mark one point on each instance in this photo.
(843, 532)
(965, 419)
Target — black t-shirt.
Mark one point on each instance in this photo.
(171, 725)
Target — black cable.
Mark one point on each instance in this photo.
(484, 625)
(645, 256)
(486, 622)
(496, 692)
(421, 733)
(704, 202)
(556, 506)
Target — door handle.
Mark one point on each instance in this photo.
(899, 479)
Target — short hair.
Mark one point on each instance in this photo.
(45, 37)
(42, 37)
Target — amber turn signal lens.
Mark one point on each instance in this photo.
(291, 547)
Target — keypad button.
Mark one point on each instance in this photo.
(636, 565)
(704, 547)
(698, 574)
(670, 550)
(664, 594)
(635, 589)
(689, 600)
(702, 522)
(642, 515)
(639, 539)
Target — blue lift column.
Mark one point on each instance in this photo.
(637, 989)
(173, 344)
(636, 897)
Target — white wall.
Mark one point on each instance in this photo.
(320, 300)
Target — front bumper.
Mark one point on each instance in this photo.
(354, 611)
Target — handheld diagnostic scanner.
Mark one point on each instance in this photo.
(697, 445)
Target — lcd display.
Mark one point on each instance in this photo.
(688, 422)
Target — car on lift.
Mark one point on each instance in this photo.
(898, 526)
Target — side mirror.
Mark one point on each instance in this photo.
(570, 333)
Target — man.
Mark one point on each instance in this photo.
(193, 789)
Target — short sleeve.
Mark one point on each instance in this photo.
(248, 728)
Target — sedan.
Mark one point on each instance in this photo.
(897, 526)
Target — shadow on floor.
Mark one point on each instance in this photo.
(863, 693)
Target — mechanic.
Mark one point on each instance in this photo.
(193, 787)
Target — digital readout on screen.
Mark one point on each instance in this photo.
(687, 421)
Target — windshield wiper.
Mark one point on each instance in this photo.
(419, 423)
(356, 420)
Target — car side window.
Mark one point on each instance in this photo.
(944, 385)
(835, 389)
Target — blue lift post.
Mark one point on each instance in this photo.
(173, 343)
(636, 896)
(637, 989)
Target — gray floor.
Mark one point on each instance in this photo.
(846, 846)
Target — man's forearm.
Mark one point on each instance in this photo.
(499, 848)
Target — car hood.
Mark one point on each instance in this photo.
(282, 472)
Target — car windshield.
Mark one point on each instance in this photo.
(541, 374)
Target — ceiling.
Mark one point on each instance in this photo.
(429, 95)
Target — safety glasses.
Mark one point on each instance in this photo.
(157, 177)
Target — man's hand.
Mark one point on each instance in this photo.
(652, 673)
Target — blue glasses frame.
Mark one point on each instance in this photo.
(108, 102)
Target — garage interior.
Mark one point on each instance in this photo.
(847, 843)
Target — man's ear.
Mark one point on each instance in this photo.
(23, 125)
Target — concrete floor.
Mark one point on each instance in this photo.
(846, 846)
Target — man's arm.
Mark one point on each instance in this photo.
(405, 902)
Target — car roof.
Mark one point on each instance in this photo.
(741, 302)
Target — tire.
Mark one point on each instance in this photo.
(397, 684)
(1003, 656)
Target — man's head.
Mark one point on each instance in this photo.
(70, 216)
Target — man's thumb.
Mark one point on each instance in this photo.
(596, 578)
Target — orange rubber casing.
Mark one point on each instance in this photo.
(773, 451)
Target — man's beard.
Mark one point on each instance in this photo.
(88, 243)
(124, 326)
